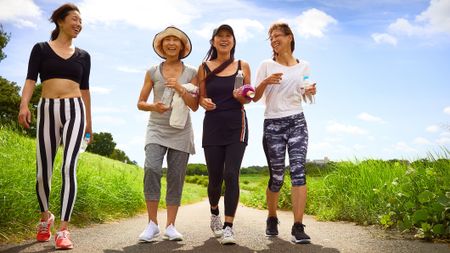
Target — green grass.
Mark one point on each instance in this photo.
(107, 189)
(412, 197)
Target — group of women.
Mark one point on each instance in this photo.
(64, 117)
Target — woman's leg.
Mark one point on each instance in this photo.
(73, 120)
(176, 172)
(297, 149)
(154, 155)
(215, 158)
(234, 154)
(48, 138)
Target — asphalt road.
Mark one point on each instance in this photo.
(249, 226)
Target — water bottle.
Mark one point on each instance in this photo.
(307, 84)
(248, 91)
(167, 96)
(85, 142)
(239, 81)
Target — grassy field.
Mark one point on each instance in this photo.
(107, 189)
(412, 197)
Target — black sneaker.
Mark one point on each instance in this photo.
(299, 235)
(272, 226)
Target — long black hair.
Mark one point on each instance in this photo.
(283, 27)
(212, 52)
(60, 14)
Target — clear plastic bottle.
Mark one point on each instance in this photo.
(308, 84)
(239, 81)
(167, 96)
(85, 142)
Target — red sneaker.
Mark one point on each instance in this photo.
(44, 229)
(62, 240)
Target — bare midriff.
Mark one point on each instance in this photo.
(60, 88)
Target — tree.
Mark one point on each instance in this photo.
(9, 102)
(4, 39)
(120, 155)
(102, 144)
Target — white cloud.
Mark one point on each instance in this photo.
(100, 90)
(403, 147)
(421, 141)
(443, 140)
(130, 70)
(22, 13)
(139, 13)
(335, 127)
(109, 120)
(447, 110)
(435, 19)
(369, 118)
(313, 23)
(432, 129)
(100, 109)
(380, 38)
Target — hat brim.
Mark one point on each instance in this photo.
(172, 31)
(223, 27)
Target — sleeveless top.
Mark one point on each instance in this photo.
(159, 130)
(227, 123)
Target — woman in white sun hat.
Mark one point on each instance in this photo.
(172, 83)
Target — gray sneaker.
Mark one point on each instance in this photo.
(228, 236)
(216, 225)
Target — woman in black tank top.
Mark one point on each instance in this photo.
(225, 129)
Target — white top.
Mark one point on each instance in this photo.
(283, 99)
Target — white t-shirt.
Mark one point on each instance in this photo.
(283, 99)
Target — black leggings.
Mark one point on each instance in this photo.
(224, 164)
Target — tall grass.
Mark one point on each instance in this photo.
(107, 189)
(413, 197)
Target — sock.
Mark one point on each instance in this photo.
(227, 224)
(215, 211)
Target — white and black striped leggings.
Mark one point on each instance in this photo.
(59, 121)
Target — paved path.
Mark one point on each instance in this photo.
(193, 222)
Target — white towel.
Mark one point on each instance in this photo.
(180, 110)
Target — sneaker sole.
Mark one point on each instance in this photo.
(155, 238)
(68, 247)
(218, 234)
(231, 242)
(165, 237)
(303, 241)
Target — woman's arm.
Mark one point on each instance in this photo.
(203, 100)
(24, 117)
(145, 93)
(247, 80)
(86, 96)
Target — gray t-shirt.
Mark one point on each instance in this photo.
(159, 130)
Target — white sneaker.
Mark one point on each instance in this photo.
(228, 236)
(150, 233)
(216, 225)
(172, 234)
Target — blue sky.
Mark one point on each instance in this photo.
(382, 67)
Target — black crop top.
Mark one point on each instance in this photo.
(48, 64)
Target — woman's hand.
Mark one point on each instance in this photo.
(24, 116)
(160, 107)
(238, 95)
(275, 78)
(207, 104)
(310, 90)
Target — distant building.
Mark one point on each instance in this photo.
(323, 161)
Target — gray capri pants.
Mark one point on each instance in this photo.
(176, 171)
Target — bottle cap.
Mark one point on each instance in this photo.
(88, 135)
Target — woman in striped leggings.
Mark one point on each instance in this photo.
(63, 115)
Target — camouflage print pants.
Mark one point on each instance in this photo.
(290, 132)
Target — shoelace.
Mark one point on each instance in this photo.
(228, 232)
(62, 235)
(43, 227)
(216, 222)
